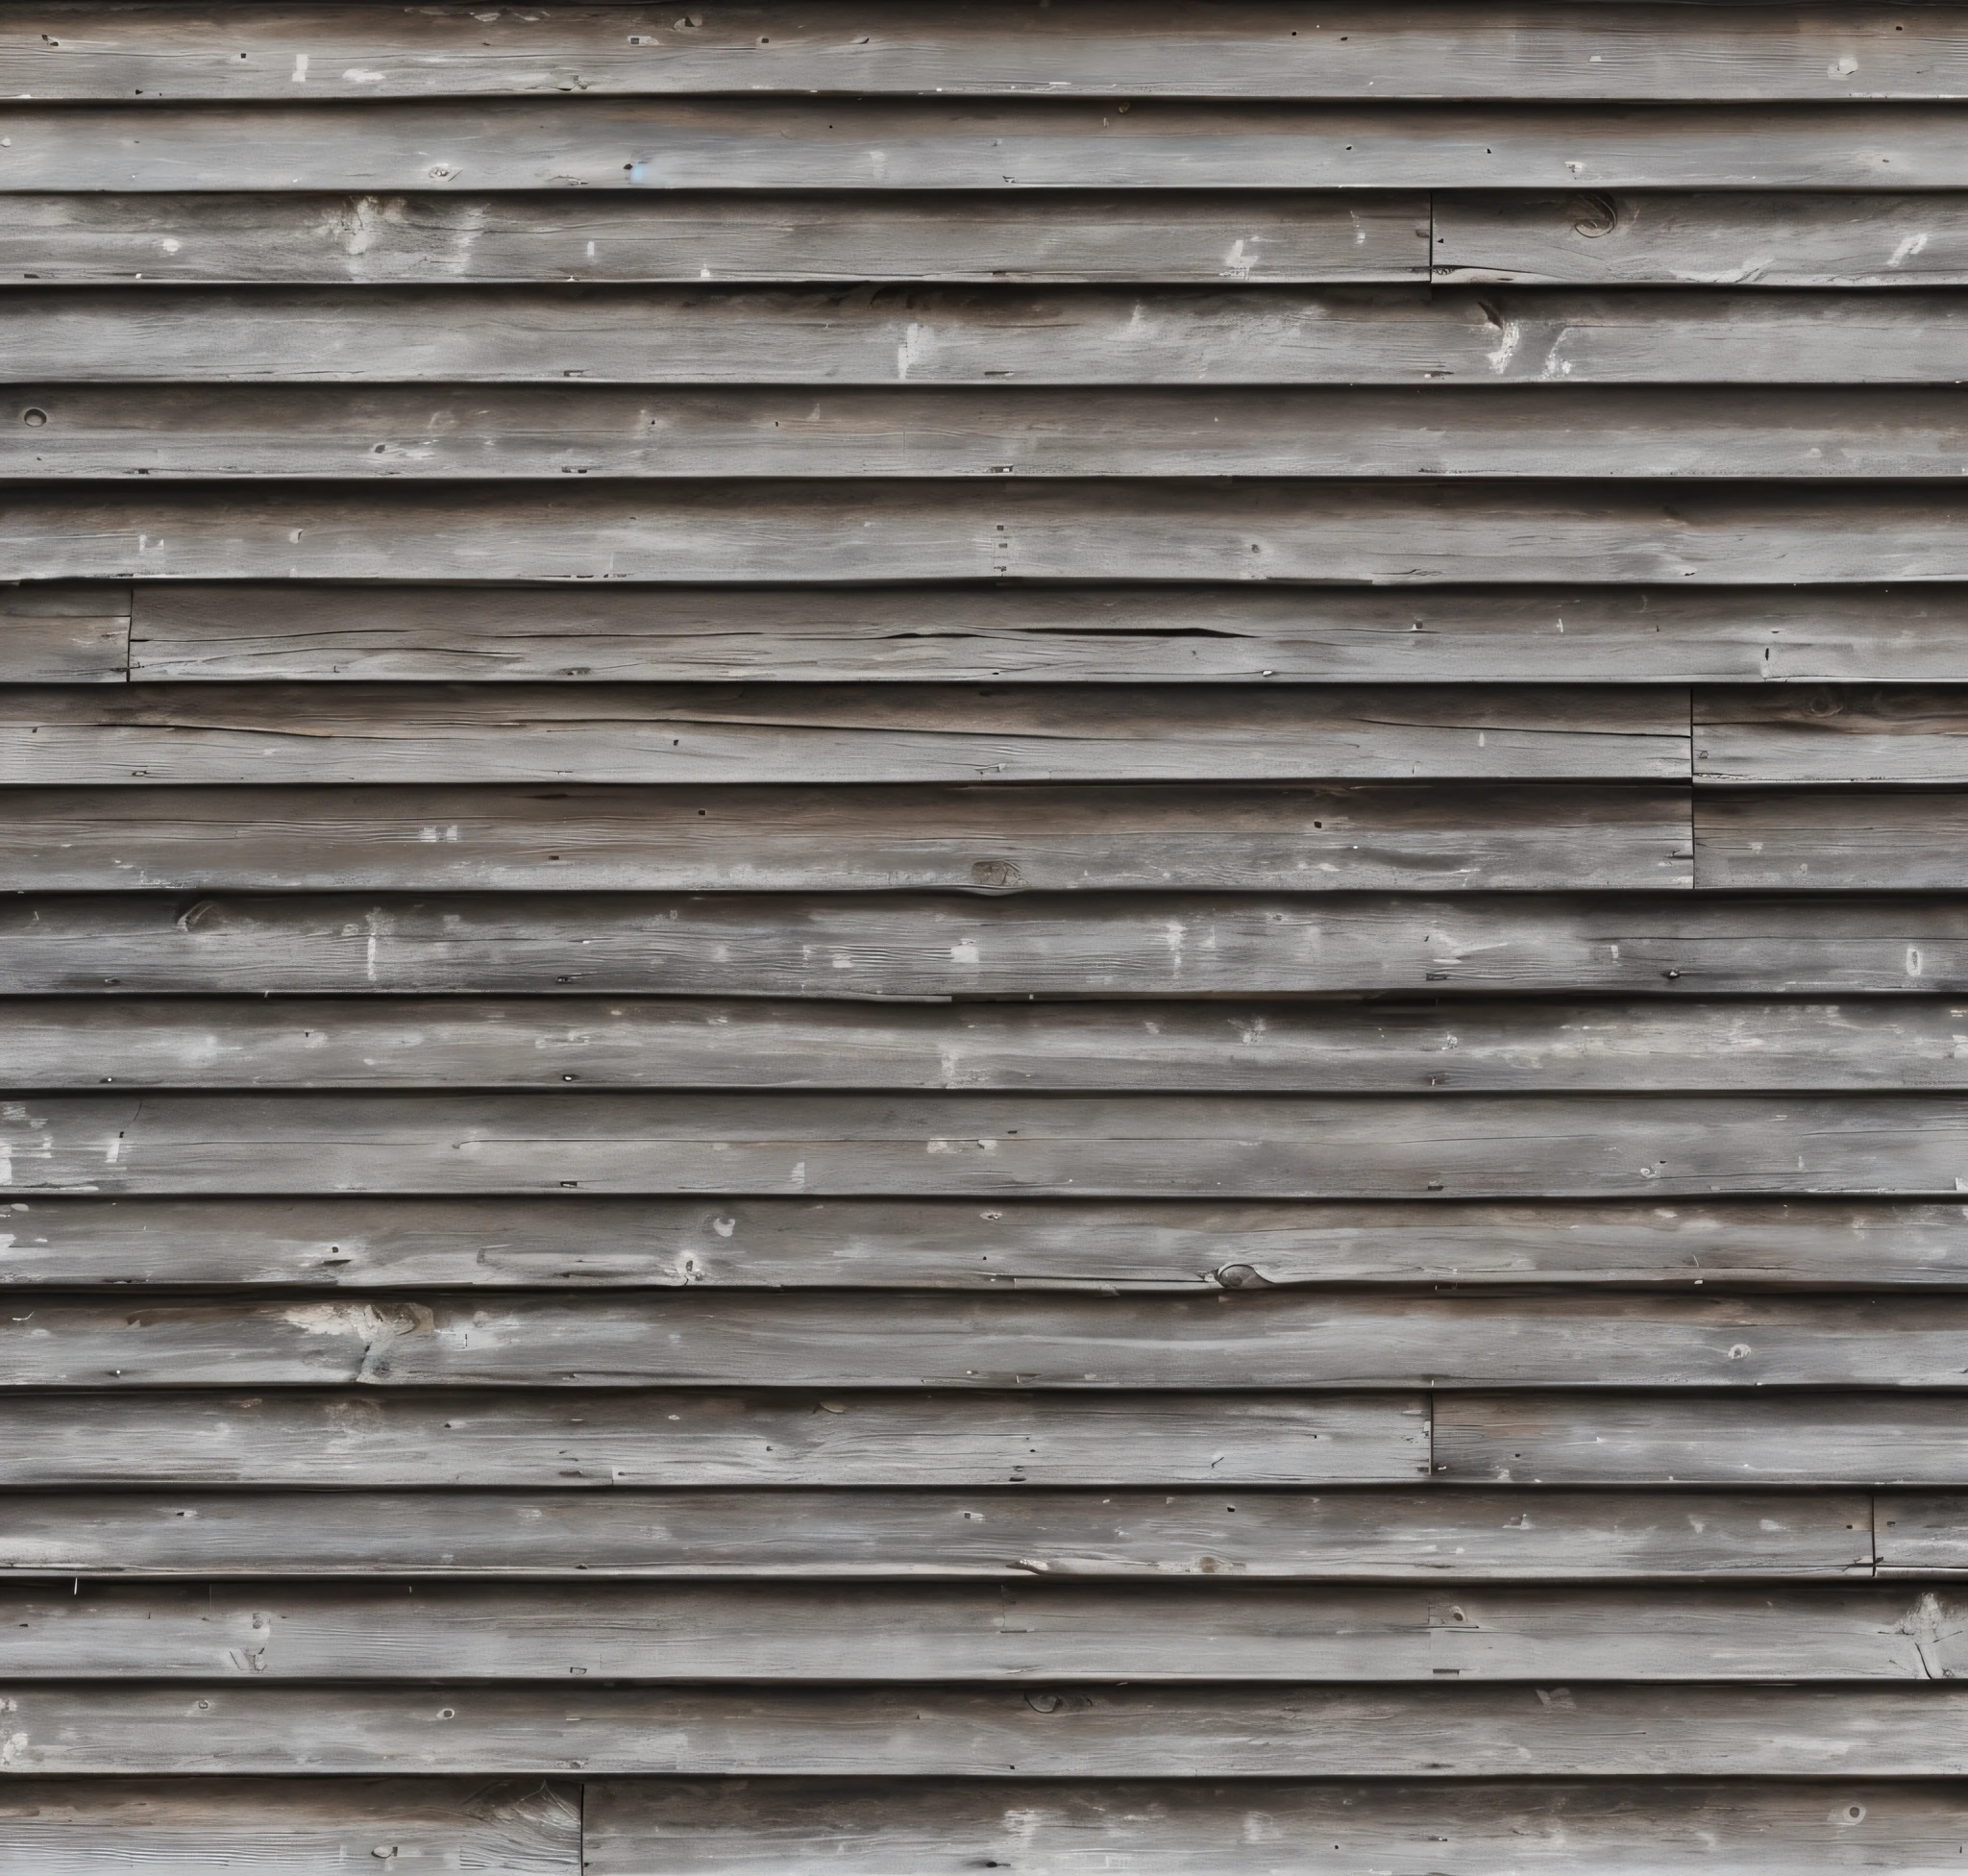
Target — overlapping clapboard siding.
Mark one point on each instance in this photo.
(983, 936)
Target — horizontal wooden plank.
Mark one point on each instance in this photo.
(1257, 49)
(1193, 533)
(823, 1338)
(1439, 1534)
(64, 635)
(1244, 636)
(855, 946)
(732, 837)
(836, 733)
(1607, 432)
(1716, 240)
(981, 1145)
(765, 1633)
(846, 144)
(1829, 733)
(1192, 1828)
(581, 1242)
(1923, 1535)
(289, 1827)
(1654, 1439)
(1488, 1047)
(1823, 840)
(611, 1441)
(1443, 1731)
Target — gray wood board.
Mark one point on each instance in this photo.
(1290, 1047)
(1080, 1731)
(896, 1633)
(1100, 1245)
(1223, 634)
(850, 144)
(1654, 1439)
(837, 734)
(1191, 533)
(289, 1827)
(1436, 1535)
(1257, 49)
(1922, 1535)
(1711, 239)
(1824, 735)
(64, 635)
(614, 1442)
(933, 945)
(983, 1146)
(1608, 434)
(1830, 840)
(727, 837)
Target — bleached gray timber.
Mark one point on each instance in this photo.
(1832, 735)
(64, 635)
(1923, 1535)
(1830, 840)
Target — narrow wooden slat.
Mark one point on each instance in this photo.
(1192, 1828)
(1192, 237)
(846, 144)
(1654, 1439)
(983, 1146)
(1445, 1732)
(587, 838)
(1062, 635)
(765, 1633)
(1716, 240)
(835, 733)
(92, 51)
(934, 946)
(1823, 840)
(1836, 734)
(1435, 1534)
(64, 635)
(843, 533)
(545, 1244)
(612, 1442)
(289, 1827)
(1607, 433)
(1922, 1535)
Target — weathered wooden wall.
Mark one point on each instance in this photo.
(954, 934)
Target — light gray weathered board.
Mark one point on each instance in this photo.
(1831, 734)
(1831, 840)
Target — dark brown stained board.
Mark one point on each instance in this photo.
(836, 733)
(1750, 53)
(1195, 1828)
(1520, 1047)
(833, 533)
(1579, 1731)
(1247, 635)
(614, 1442)
(1711, 239)
(761, 1633)
(1434, 1534)
(586, 838)
(290, 1827)
(823, 144)
(1829, 736)
(57, 634)
(1609, 433)
(1281, 1339)
(918, 946)
(1101, 1245)
(1922, 1535)
(986, 1145)
(1830, 840)
(1656, 1438)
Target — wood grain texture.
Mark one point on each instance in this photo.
(297, 1441)
(1836, 734)
(981, 1145)
(902, 1734)
(836, 733)
(1923, 1535)
(62, 634)
(816, 145)
(680, 1828)
(1100, 1245)
(1830, 840)
(903, 945)
(1720, 239)
(1241, 635)
(1750, 53)
(763, 1633)
(289, 1827)
(1435, 1535)
(1653, 1439)
(732, 837)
